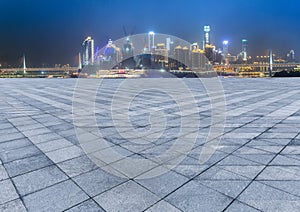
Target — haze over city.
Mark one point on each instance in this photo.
(51, 31)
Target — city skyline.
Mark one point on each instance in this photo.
(50, 32)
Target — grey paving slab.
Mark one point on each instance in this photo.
(196, 197)
(8, 130)
(44, 137)
(217, 173)
(88, 206)
(65, 154)
(97, 181)
(237, 206)
(293, 150)
(16, 154)
(249, 172)
(163, 206)
(38, 131)
(77, 166)
(53, 145)
(3, 173)
(14, 144)
(11, 136)
(59, 197)
(262, 159)
(189, 167)
(280, 173)
(28, 164)
(266, 198)
(231, 188)
(163, 184)
(128, 196)
(269, 149)
(39, 179)
(7, 191)
(291, 187)
(282, 160)
(15, 205)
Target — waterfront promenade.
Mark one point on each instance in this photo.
(254, 167)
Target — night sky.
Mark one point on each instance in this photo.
(51, 31)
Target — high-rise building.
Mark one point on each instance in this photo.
(89, 51)
(161, 54)
(198, 60)
(195, 59)
(178, 56)
(206, 36)
(127, 54)
(185, 51)
(225, 48)
(244, 45)
(210, 52)
(151, 41)
(244, 49)
(291, 56)
(181, 55)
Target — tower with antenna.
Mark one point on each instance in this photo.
(271, 63)
(79, 61)
(24, 65)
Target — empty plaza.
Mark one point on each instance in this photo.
(172, 145)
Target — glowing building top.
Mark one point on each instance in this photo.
(206, 35)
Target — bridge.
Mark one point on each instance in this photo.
(56, 69)
(261, 65)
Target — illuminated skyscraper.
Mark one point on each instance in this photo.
(210, 52)
(89, 51)
(24, 65)
(161, 54)
(225, 48)
(206, 36)
(178, 54)
(170, 46)
(151, 43)
(271, 63)
(244, 45)
(291, 56)
(127, 54)
(244, 49)
(181, 55)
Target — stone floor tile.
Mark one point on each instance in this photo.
(97, 181)
(15, 205)
(89, 206)
(128, 196)
(196, 197)
(266, 198)
(39, 179)
(59, 197)
(7, 191)
(28, 164)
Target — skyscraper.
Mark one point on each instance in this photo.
(291, 56)
(151, 43)
(225, 48)
(244, 49)
(89, 51)
(181, 55)
(244, 45)
(161, 54)
(206, 36)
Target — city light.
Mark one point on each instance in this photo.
(151, 33)
(225, 42)
(206, 28)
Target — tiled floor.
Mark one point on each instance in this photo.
(52, 156)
